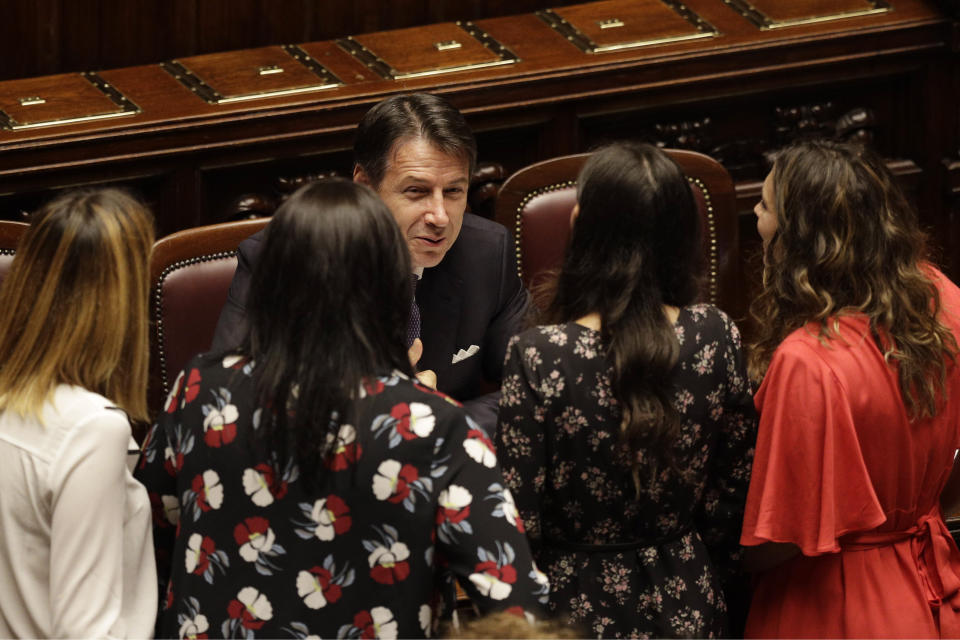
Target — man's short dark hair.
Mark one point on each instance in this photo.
(415, 115)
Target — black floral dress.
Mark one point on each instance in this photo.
(622, 564)
(412, 497)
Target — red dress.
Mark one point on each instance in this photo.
(842, 472)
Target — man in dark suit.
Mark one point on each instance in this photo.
(417, 152)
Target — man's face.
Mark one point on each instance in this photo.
(426, 190)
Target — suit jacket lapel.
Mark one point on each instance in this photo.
(440, 297)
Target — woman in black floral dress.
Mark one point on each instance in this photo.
(626, 429)
(345, 513)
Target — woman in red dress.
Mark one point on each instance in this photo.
(859, 406)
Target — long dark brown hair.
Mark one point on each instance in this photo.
(847, 242)
(329, 303)
(634, 248)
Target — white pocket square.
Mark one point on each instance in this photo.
(463, 354)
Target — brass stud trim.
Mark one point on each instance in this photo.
(158, 306)
(713, 255)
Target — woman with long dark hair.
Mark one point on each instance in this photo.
(856, 349)
(626, 425)
(307, 484)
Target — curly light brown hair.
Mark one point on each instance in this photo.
(847, 242)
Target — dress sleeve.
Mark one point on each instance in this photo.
(721, 513)
(520, 437)
(161, 458)
(809, 484)
(479, 532)
(232, 324)
(86, 536)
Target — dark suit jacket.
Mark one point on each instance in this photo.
(473, 297)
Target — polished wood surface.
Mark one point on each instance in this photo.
(39, 37)
(736, 94)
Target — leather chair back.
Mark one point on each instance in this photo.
(190, 275)
(10, 233)
(536, 201)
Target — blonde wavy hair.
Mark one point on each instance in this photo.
(847, 242)
(73, 308)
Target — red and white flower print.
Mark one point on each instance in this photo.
(195, 628)
(405, 422)
(373, 386)
(332, 517)
(415, 419)
(189, 393)
(249, 610)
(402, 483)
(494, 576)
(392, 480)
(479, 446)
(344, 449)
(257, 543)
(260, 484)
(388, 556)
(425, 617)
(453, 509)
(321, 585)
(236, 361)
(220, 419)
(378, 622)
(193, 624)
(506, 508)
(205, 493)
(202, 557)
(166, 510)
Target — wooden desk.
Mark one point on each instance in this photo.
(736, 93)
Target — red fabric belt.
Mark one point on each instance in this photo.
(935, 555)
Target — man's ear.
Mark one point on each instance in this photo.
(360, 176)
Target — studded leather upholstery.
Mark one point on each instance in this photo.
(536, 201)
(190, 275)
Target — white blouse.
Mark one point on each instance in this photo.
(76, 549)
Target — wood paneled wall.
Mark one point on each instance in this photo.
(42, 37)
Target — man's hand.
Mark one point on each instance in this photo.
(427, 378)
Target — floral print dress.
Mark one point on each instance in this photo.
(626, 561)
(412, 497)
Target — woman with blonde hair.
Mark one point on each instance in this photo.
(856, 349)
(76, 558)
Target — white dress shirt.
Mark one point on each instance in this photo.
(76, 549)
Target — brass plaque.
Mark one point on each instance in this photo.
(251, 74)
(776, 14)
(612, 25)
(428, 50)
(61, 99)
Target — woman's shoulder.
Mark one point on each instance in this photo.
(551, 335)
(78, 415)
(70, 405)
(396, 410)
(709, 320)
(399, 393)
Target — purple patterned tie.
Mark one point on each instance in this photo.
(413, 325)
